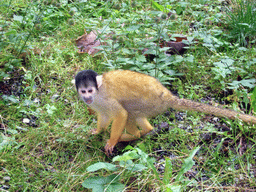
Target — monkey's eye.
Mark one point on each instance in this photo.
(90, 90)
(83, 91)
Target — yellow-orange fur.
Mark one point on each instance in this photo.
(128, 98)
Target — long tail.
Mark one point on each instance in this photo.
(188, 105)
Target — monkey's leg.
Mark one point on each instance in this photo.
(144, 125)
(133, 132)
(102, 123)
(116, 130)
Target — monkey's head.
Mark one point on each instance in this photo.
(87, 84)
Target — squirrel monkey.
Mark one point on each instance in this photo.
(128, 98)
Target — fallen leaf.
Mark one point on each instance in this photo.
(87, 42)
(179, 39)
(175, 47)
(91, 112)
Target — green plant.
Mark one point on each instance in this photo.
(180, 183)
(241, 21)
(126, 163)
(39, 20)
(253, 97)
(6, 143)
(161, 7)
(135, 54)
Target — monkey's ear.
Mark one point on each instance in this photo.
(99, 80)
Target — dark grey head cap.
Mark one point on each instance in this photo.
(86, 78)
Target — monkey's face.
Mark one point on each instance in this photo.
(87, 94)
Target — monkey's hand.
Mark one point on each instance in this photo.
(110, 147)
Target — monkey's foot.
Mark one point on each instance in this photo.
(110, 147)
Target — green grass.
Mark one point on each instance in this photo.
(53, 150)
(242, 22)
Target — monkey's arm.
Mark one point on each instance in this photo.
(117, 128)
(103, 122)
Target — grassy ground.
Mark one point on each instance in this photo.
(44, 140)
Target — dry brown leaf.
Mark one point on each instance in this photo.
(179, 39)
(91, 112)
(175, 47)
(87, 42)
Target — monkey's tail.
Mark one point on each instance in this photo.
(188, 105)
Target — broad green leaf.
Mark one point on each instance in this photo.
(126, 156)
(164, 49)
(137, 167)
(245, 83)
(11, 98)
(101, 184)
(190, 39)
(160, 7)
(101, 165)
(17, 18)
(228, 61)
(6, 141)
(150, 164)
(133, 27)
(11, 32)
(50, 109)
(128, 147)
(126, 51)
(157, 6)
(189, 58)
(115, 187)
(141, 58)
(170, 72)
(167, 171)
(173, 188)
(132, 166)
(253, 98)
(169, 7)
(188, 164)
